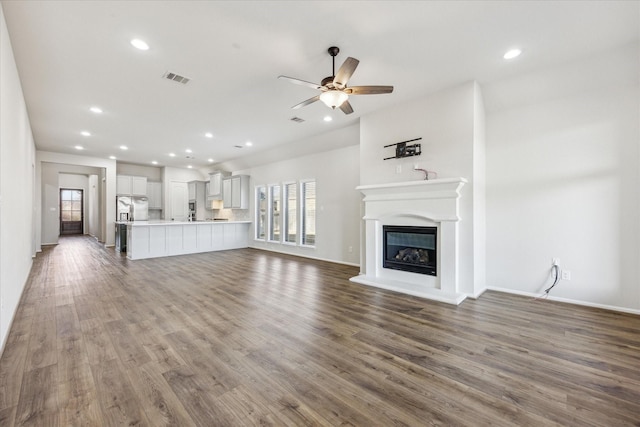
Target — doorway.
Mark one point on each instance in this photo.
(71, 211)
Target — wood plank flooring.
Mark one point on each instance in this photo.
(247, 337)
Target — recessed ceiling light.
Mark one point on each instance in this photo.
(112, 157)
(210, 160)
(79, 147)
(189, 166)
(139, 44)
(124, 147)
(96, 110)
(85, 133)
(188, 150)
(327, 118)
(153, 162)
(172, 154)
(208, 135)
(248, 143)
(513, 53)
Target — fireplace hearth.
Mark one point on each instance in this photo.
(412, 249)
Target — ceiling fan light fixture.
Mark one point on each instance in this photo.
(333, 98)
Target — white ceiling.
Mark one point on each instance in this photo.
(72, 55)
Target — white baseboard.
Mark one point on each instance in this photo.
(566, 300)
(306, 256)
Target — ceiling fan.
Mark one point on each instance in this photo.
(335, 93)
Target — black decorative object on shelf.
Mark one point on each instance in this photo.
(404, 150)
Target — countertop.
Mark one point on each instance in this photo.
(169, 222)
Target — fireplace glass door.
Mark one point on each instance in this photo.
(412, 249)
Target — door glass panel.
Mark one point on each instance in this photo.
(70, 211)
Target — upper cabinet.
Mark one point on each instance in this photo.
(154, 193)
(192, 190)
(235, 192)
(123, 185)
(139, 185)
(215, 185)
(127, 185)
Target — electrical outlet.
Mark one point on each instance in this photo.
(399, 169)
(350, 249)
(555, 261)
(566, 275)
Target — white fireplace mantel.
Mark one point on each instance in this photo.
(414, 203)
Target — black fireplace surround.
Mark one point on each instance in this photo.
(412, 249)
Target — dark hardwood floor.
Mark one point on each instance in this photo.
(247, 337)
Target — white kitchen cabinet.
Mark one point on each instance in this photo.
(150, 239)
(192, 190)
(139, 185)
(235, 192)
(226, 193)
(215, 185)
(154, 194)
(127, 185)
(123, 185)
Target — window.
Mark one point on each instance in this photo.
(286, 213)
(274, 213)
(290, 212)
(261, 212)
(308, 208)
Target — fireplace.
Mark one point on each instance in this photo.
(405, 223)
(412, 249)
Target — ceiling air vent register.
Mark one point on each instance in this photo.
(176, 77)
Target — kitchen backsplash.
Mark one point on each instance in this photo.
(232, 214)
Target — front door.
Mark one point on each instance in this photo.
(71, 218)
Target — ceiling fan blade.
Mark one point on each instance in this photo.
(307, 102)
(344, 73)
(368, 90)
(301, 82)
(346, 107)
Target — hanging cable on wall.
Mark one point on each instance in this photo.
(555, 271)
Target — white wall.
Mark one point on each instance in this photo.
(152, 173)
(54, 176)
(562, 180)
(93, 208)
(452, 146)
(48, 165)
(17, 163)
(337, 202)
(78, 182)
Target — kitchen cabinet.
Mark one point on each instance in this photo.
(151, 239)
(123, 185)
(192, 190)
(235, 192)
(139, 185)
(215, 185)
(127, 185)
(154, 194)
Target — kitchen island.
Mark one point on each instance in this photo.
(159, 238)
